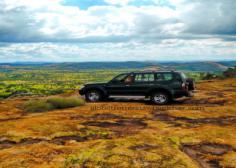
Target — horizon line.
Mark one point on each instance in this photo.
(35, 62)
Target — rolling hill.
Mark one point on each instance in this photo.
(206, 66)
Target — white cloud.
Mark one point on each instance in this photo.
(179, 28)
(30, 4)
(60, 23)
(118, 2)
(51, 21)
(177, 2)
(167, 50)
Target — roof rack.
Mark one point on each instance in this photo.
(145, 71)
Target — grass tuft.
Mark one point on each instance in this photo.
(61, 102)
(52, 103)
(37, 106)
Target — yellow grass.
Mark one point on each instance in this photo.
(128, 137)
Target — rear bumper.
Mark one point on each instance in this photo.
(190, 93)
(183, 93)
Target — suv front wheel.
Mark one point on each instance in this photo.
(160, 98)
(93, 96)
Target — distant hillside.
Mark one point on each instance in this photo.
(185, 66)
(196, 66)
(206, 66)
(20, 64)
(228, 63)
(100, 65)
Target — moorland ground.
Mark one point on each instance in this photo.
(195, 132)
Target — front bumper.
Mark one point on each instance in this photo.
(81, 92)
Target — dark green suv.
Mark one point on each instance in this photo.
(160, 86)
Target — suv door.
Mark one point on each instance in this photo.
(120, 85)
(142, 82)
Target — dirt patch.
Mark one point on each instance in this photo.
(215, 149)
(8, 144)
(216, 94)
(14, 118)
(120, 128)
(117, 123)
(133, 122)
(207, 102)
(104, 124)
(145, 147)
(107, 116)
(62, 140)
(207, 155)
(230, 90)
(10, 119)
(188, 122)
(96, 117)
(77, 117)
(4, 144)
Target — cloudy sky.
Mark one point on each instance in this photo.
(117, 30)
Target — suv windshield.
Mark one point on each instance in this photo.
(120, 77)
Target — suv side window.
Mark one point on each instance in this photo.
(168, 76)
(164, 76)
(129, 79)
(159, 77)
(148, 77)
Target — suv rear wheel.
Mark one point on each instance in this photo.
(93, 96)
(160, 98)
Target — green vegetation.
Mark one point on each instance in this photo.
(37, 106)
(42, 105)
(71, 161)
(208, 76)
(23, 82)
(52, 79)
(19, 82)
(231, 72)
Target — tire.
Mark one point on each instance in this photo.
(93, 96)
(160, 98)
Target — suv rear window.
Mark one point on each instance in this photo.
(149, 77)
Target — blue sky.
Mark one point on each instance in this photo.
(117, 30)
(84, 4)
